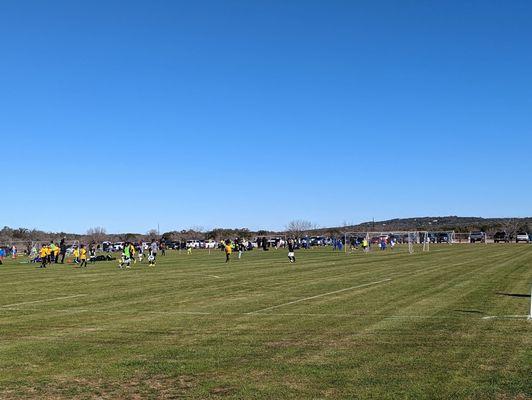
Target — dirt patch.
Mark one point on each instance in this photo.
(159, 387)
(222, 391)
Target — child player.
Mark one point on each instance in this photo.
(83, 256)
(43, 254)
(126, 256)
(291, 253)
(75, 254)
(228, 250)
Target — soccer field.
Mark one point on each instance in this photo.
(446, 324)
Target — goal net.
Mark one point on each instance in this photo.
(412, 239)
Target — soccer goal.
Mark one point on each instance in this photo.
(353, 240)
(461, 237)
(446, 237)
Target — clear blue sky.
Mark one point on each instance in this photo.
(125, 114)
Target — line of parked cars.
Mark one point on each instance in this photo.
(433, 237)
(504, 237)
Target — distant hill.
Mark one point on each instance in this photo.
(448, 223)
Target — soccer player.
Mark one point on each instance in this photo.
(291, 253)
(92, 253)
(154, 248)
(365, 246)
(141, 252)
(132, 252)
(48, 254)
(240, 249)
(43, 254)
(56, 253)
(83, 256)
(75, 254)
(53, 247)
(125, 260)
(228, 250)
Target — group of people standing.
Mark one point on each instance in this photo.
(229, 246)
(52, 253)
(365, 244)
(132, 252)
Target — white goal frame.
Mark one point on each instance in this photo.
(412, 237)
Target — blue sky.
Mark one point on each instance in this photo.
(254, 113)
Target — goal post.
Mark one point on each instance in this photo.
(411, 238)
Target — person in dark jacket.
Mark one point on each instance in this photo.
(62, 251)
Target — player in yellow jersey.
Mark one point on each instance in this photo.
(83, 256)
(228, 250)
(48, 255)
(43, 254)
(132, 252)
(75, 254)
(365, 245)
(56, 254)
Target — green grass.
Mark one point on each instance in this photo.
(188, 327)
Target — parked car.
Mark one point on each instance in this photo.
(195, 244)
(172, 245)
(210, 244)
(442, 238)
(432, 237)
(118, 246)
(501, 237)
(476, 236)
(522, 237)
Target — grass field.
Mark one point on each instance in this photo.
(369, 326)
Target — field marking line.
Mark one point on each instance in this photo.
(320, 295)
(505, 316)
(43, 300)
(210, 276)
(207, 313)
(217, 314)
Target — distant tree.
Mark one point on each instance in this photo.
(512, 226)
(130, 237)
(299, 227)
(21, 233)
(152, 234)
(333, 232)
(96, 235)
(169, 236)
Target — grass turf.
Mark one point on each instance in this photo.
(384, 325)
